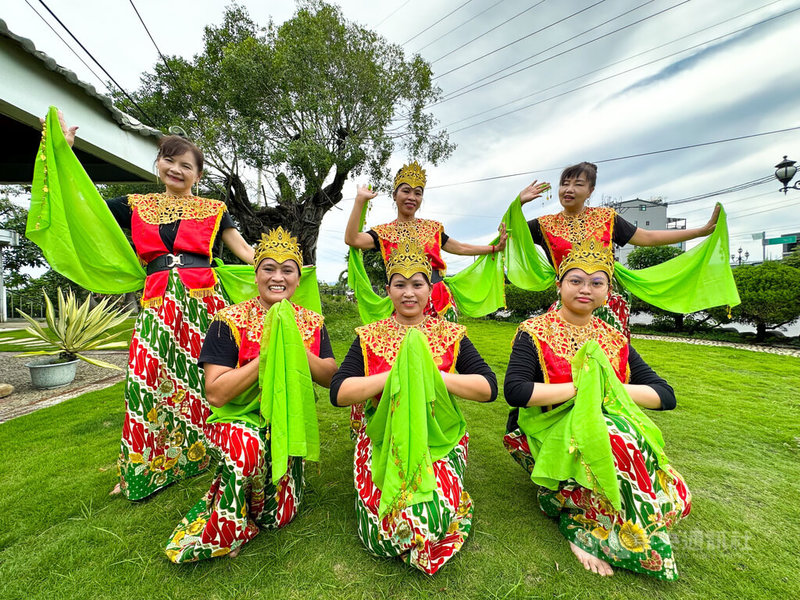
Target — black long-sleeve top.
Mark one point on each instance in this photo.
(469, 362)
(122, 213)
(524, 371)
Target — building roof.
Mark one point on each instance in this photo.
(112, 145)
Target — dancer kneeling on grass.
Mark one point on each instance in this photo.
(576, 386)
(259, 357)
(411, 441)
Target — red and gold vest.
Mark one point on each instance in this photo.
(199, 220)
(246, 321)
(429, 235)
(561, 232)
(557, 342)
(380, 343)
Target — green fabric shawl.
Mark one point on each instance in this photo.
(239, 284)
(72, 224)
(287, 392)
(415, 424)
(478, 290)
(695, 280)
(571, 441)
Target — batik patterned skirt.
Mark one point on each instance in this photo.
(425, 535)
(653, 500)
(165, 406)
(242, 498)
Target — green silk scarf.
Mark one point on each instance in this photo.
(287, 391)
(415, 424)
(72, 224)
(571, 441)
(695, 280)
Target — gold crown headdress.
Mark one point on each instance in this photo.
(408, 258)
(412, 174)
(590, 255)
(279, 245)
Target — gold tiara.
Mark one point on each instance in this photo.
(412, 174)
(408, 258)
(590, 255)
(279, 245)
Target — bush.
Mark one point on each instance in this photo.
(524, 303)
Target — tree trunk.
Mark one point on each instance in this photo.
(761, 331)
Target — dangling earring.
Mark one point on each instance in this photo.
(197, 188)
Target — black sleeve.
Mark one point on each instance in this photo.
(444, 238)
(521, 374)
(352, 366)
(470, 362)
(623, 230)
(375, 239)
(219, 347)
(226, 222)
(120, 211)
(642, 374)
(325, 349)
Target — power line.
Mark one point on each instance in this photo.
(163, 59)
(77, 41)
(626, 71)
(391, 14)
(71, 49)
(524, 37)
(436, 23)
(626, 157)
(728, 190)
(568, 50)
(487, 32)
(603, 68)
(472, 18)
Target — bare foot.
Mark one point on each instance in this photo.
(592, 563)
(117, 490)
(234, 553)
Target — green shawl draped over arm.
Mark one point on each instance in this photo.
(416, 423)
(287, 392)
(572, 442)
(527, 266)
(72, 224)
(239, 284)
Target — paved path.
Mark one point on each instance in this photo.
(697, 342)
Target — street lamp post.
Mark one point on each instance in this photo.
(784, 172)
(737, 258)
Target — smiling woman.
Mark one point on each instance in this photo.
(173, 233)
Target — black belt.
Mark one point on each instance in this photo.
(185, 260)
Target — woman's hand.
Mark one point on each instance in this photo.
(364, 194)
(533, 191)
(69, 132)
(501, 243)
(709, 227)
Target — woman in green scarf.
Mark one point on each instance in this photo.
(259, 357)
(411, 445)
(575, 386)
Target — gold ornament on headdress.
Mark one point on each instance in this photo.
(279, 245)
(590, 255)
(412, 174)
(408, 258)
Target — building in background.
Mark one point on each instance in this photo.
(647, 214)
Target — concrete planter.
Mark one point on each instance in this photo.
(46, 373)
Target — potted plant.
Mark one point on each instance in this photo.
(75, 330)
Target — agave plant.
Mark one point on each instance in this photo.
(77, 329)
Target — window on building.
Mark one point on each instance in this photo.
(642, 207)
(646, 223)
(636, 223)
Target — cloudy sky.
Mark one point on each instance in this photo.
(533, 86)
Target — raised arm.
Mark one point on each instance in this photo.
(664, 237)
(352, 236)
(69, 132)
(237, 244)
(533, 191)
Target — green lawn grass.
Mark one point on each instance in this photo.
(734, 437)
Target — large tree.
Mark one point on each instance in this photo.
(296, 108)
